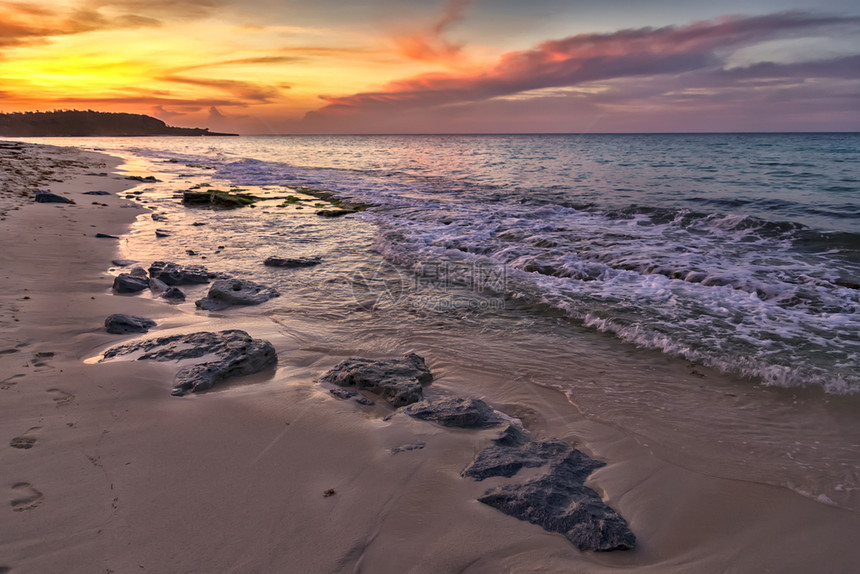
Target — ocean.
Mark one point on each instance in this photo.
(700, 291)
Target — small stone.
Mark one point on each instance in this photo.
(408, 447)
(174, 293)
(292, 262)
(128, 283)
(121, 324)
(48, 197)
(106, 236)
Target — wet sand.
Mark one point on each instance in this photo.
(104, 471)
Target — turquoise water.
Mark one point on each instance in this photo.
(737, 251)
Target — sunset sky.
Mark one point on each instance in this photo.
(455, 66)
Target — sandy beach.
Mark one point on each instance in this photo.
(104, 471)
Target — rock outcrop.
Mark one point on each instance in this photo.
(398, 381)
(455, 412)
(227, 354)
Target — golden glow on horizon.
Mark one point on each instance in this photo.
(180, 70)
(258, 66)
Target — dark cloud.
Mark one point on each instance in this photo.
(693, 52)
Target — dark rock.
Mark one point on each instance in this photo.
(455, 412)
(364, 401)
(97, 193)
(228, 292)
(120, 324)
(511, 436)
(158, 285)
(506, 461)
(123, 262)
(106, 236)
(162, 233)
(398, 381)
(128, 283)
(174, 293)
(138, 271)
(228, 354)
(335, 212)
(174, 274)
(560, 502)
(343, 394)
(158, 217)
(48, 197)
(290, 262)
(408, 447)
(218, 198)
(148, 179)
(190, 252)
(198, 224)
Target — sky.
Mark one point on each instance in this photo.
(440, 66)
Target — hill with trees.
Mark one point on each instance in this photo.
(75, 123)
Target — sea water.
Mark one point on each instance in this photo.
(700, 291)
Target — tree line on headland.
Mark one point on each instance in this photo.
(79, 123)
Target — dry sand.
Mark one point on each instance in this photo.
(121, 477)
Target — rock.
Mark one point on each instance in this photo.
(158, 217)
(335, 212)
(364, 401)
(97, 193)
(455, 412)
(218, 198)
(158, 285)
(398, 381)
(138, 271)
(48, 197)
(558, 501)
(198, 224)
(227, 292)
(227, 353)
(162, 233)
(106, 236)
(506, 461)
(174, 293)
(128, 283)
(191, 252)
(120, 324)
(123, 262)
(291, 262)
(408, 447)
(342, 393)
(173, 274)
(511, 436)
(148, 179)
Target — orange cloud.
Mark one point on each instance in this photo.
(245, 91)
(22, 24)
(429, 45)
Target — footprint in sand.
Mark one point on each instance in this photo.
(28, 497)
(40, 359)
(62, 398)
(24, 441)
(8, 384)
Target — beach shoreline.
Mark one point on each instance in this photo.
(123, 477)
